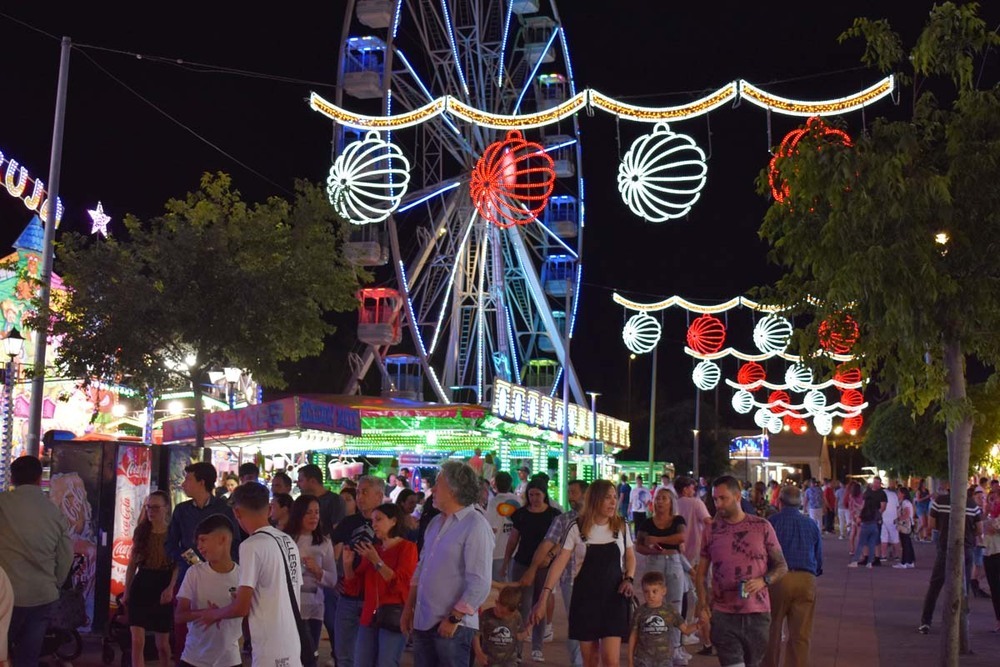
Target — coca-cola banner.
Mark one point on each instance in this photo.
(131, 489)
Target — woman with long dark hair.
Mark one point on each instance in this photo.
(386, 571)
(599, 608)
(905, 524)
(319, 565)
(150, 580)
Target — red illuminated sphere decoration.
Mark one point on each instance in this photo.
(789, 147)
(777, 396)
(751, 373)
(852, 398)
(840, 335)
(796, 425)
(706, 335)
(847, 375)
(853, 424)
(512, 181)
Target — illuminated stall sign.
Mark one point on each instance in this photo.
(286, 413)
(514, 403)
(750, 447)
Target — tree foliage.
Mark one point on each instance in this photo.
(215, 279)
(901, 230)
(904, 443)
(675, 439)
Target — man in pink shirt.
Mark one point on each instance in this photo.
(696, 516)
(745, 558)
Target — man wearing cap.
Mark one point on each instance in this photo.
(522, 486)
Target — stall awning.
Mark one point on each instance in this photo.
(287, 413)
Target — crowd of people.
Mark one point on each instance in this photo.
(466, 570)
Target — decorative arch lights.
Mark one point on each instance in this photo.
(847, 378)
(641, 333)
(16, 180)
(823, 424)
(796, 425)
(591, 99)
(662, 175)
(799, 378)
(706, 334)
(512, 181)
(743, 402)
(706, 375)
(789, 147)
(368, 180)
(762, 417)
(838, 334)
(772, 333)
(751, 375)
(778, 401)
(775, 424)
(852, 398)
(853, 424)
(814, 402)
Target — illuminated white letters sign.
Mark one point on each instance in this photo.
(16, 181)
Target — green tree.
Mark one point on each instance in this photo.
(214, 280)
(902, 230)
(905, 444)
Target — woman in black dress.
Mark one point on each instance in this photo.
(150, 580)
(599, 609)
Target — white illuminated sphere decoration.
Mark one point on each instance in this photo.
(706, 375)
(661, 176)
(774, 424)
(641, 333)
(743, 401)
(815, 402)
(762, 417)
(823, 423)
(368, 180)
(772, 334)
(798, 377)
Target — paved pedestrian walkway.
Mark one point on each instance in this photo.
(864, 618)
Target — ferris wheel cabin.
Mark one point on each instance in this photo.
(558, 274)
(365, 246)
(540, 374)
(379, 321)
(524, 6)
(544, 342)
(560, 149)
(560, 216)
(364, 63)
(404, 377)
(537, 32)
(550, 91)
(375, 13)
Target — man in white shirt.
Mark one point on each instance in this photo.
(522, 486)
(263, 593)
(499, 513)
(639, 502)
(890, 534)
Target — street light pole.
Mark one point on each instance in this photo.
(652, 413)
(593, 414)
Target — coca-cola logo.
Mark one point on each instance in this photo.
(133, 464)
(121, 552)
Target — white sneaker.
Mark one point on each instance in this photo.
(549, 634)
(869, 566)
(901, 566)
(537, 656)
(681, 657)
(853, 563)
(910, 566)
(691, 639)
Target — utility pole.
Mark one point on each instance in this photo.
(41, 337)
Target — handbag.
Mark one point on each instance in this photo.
(387, 616)
(308, 652)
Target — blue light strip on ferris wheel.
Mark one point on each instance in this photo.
(407, 207)
(420, 339)
(534, 70)
(503, 42)
(451, 282)
(430, 98)
(395, 21)
(454, 46)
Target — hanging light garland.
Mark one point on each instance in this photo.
(662, 175)
(512, 181)
(706, 375)
(641, 333)
(368, 180)
(789, 147)
(706, 335)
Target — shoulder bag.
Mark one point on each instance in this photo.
(387, 616)
(308, 651)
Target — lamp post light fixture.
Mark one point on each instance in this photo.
(13, 345)
(233, 376)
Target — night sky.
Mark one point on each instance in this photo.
(122, 151)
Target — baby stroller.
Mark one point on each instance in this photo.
(62, 639)
(118, 635)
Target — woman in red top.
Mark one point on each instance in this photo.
(384, 572)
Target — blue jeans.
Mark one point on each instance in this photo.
(346, 630)
(27, 630)
(378, 648)
(673, 572)
(869, 535)
(330, 597)
(572, 645)
(433, 650)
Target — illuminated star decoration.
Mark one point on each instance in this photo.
(100, 220)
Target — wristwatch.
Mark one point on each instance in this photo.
(379, 565)
(767, 580)
(453, 619)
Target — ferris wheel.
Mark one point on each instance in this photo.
(478, 298)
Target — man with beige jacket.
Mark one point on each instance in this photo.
(36, 553)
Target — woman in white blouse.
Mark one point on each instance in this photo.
(319, 565)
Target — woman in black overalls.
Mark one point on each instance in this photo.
(599, 610)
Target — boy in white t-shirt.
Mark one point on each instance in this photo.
(263, 594)
(210, 585)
